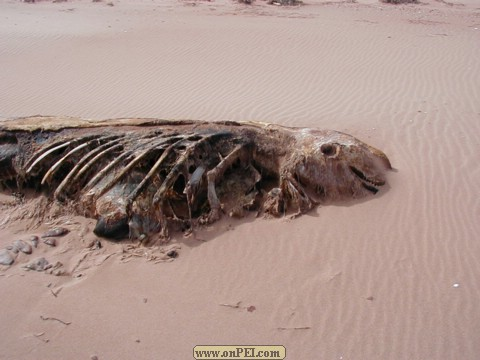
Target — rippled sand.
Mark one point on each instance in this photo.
(361, 280)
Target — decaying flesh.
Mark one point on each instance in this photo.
(146, 176)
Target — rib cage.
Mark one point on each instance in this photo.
(133, 180)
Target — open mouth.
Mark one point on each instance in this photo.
(367, 183)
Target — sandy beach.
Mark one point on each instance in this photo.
(394, 276)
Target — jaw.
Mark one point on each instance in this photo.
(369, 167)
(369, 181)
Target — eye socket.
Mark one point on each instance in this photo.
(327, 149)
(6, 138)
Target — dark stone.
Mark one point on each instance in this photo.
(172, 253)
(115, 230)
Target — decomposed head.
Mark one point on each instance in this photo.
(333, 165)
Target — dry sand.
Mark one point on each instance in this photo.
(367, 280)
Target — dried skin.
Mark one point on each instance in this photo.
(146, 176)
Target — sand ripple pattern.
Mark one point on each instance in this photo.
(370, 280)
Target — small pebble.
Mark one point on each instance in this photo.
(50, 242)
(39, 264)
(6, 258)
(456, 285)
(94, 245)
(60, 231)
(58, 272)
(94, 357)
(22, 246)
(34, 240)
(56, 269)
